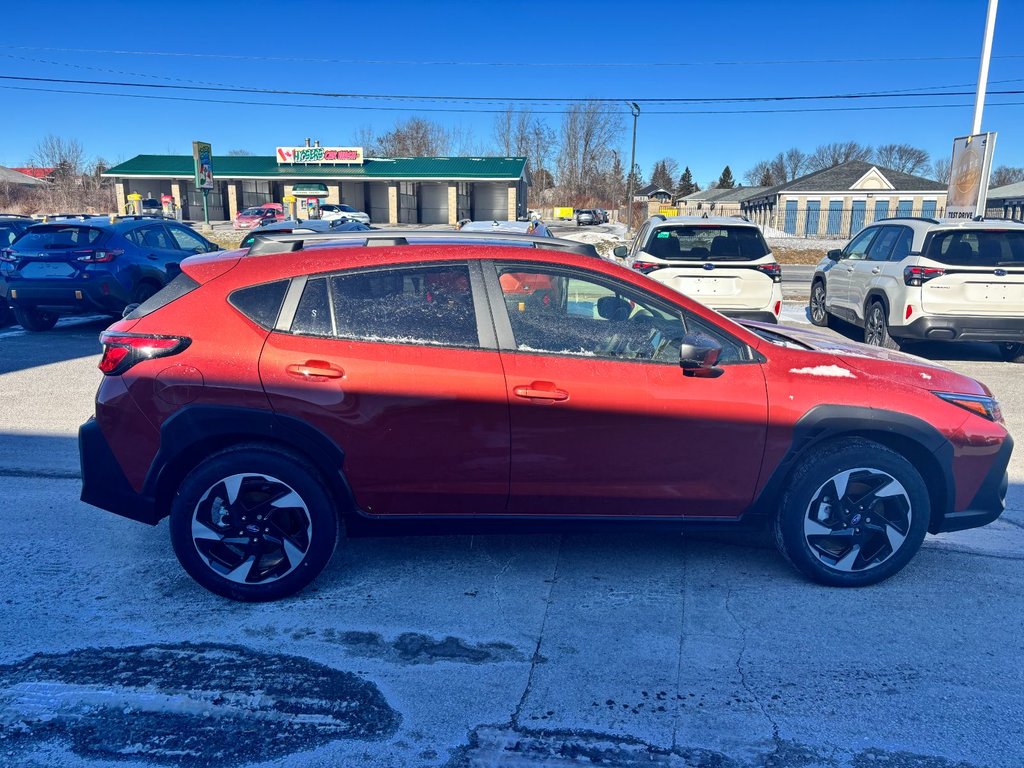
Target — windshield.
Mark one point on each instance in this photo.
(347, 209)
(58, 236)
(703, 243)
(9, 233)
(254, 212)
(978, 248)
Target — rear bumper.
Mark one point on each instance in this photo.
(949, 328)
(988, 503)
(102, 292)
(104, 484)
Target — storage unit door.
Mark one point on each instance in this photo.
(378, 203)
(433, 203)
(490, 201)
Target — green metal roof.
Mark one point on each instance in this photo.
(181, 166)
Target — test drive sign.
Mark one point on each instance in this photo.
(333, 155)
(969, 173)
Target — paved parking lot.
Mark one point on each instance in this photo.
(538, 650)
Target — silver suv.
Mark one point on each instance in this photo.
(721, 261)
(906, 279)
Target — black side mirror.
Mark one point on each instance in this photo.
(620, 251)
(835, 254)
(698, 357)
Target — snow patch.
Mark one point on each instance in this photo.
(926, 377)
(828, 371)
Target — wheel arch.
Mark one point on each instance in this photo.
(920, 443)
(195, 433)
(873, 295)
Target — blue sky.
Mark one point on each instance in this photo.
(670, 52)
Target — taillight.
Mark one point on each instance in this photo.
(93, 257)
(773, 270)
(646, 267)
(123, 350)
(917, 276)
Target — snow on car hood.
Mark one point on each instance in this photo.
(873, 361)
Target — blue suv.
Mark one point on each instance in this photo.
(92, 264)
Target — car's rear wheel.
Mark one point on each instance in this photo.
(876, 328)
(35, 320)
(1012, 352)
(853, 514)
(253, 524)
(143, 291)
(819, 313)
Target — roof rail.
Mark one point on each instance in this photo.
(659, 216)
(929, 219)
(268, 243)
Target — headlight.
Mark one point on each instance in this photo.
(986, 407)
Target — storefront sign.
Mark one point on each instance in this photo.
(968, 179)
(332, 155)
(202, 153)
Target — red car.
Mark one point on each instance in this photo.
(257, 216)
(266, 403)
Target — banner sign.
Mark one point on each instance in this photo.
(332, 155)
(202, 153)
(969, 175)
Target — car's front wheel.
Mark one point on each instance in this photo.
(253, 524)
(35, 320)
(853, 514)
(817, 306)
(876, 328)
(1012, 352)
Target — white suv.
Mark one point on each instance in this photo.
(722, 262)
(934, 279)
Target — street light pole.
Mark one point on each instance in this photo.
(986, 54)
(635, 109)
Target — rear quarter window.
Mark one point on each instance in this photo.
(260, 303)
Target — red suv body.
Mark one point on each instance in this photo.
(263, 402)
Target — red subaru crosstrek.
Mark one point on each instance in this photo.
(267, 401)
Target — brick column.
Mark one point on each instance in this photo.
(334, 194)
(119, 199)
(512, 201)
(232, 200)
(392, 203)
(453, 204)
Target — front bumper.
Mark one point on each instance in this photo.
(99, 292)
(950, 328)
(104, 484)
(988, 503)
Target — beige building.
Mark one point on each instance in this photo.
(716, 201)
(838, 202)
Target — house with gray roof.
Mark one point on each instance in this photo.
(717, 201)
(838, 202)
(1006, 201)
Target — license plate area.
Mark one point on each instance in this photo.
(47, 269)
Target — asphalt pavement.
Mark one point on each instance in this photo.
(575, 649)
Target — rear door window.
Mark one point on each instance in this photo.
(978, 248)
(152, 236)
(707, 243)
(881, 247)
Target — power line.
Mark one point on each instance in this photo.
(509, 64)
(504, 100)
(345, 107)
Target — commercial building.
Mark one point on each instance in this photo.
(1006, 201)
(717, 201)
(401, 190)
(837, 202)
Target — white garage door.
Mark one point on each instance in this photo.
(490, 201)
(433, 203)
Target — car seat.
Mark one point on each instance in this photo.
(724, 247)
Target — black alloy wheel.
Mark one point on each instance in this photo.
(819, 314)
(1012, 352)
(35, 320)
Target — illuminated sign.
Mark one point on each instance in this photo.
(329, 155)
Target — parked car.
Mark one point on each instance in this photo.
(721, 261)
(259, 215)
(289, 226)
(92, 265)
(602, 215)
(908, 279)
(332, 212)
(586, 216)
(152, 205)
(536, 228)
(11, 226)
(334, 387)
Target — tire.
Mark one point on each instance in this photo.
(876, 328)
(6, 316)
(143, 291)
(35, 320)
(815, 535)
(821, 318)
(1011, 352)
(224, 549)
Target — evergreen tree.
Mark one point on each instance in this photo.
(726, 181)
(637, 177)
(661, 177)
(686, 185)
(766, 180)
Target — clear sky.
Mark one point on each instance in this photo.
(508, 50)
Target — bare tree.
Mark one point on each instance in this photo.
(836, 153)
(760, 175)
(796, 164)
(239, 153)
(588, 130)
(415, 137)
(519, 133)
(1006, 174)
(902, 157)
(67, 159)
(940, 169)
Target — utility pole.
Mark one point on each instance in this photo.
(986, 54)
(635, 109)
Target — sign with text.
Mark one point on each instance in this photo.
(331, 155)
(969, 174)
(202, 153)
